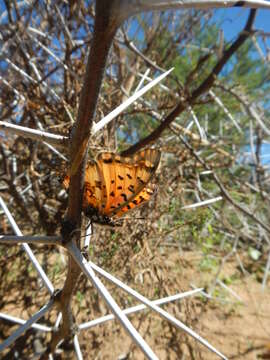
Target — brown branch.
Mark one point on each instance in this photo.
(109, 15)
(104, 30)
(131, 46)
(68, 326)
(204, 87)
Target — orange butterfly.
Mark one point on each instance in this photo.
(115, 184)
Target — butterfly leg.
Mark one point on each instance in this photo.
(88, 233)
(94, 216)
(89, 226)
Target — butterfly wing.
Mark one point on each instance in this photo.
(93, 187)
(115, 184)
(125, 178)
(140, 199)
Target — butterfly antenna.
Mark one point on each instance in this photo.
(134, 218)
(87, 232)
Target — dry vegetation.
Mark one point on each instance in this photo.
(215, 101)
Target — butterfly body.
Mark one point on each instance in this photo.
(115, 184)
(101, 219)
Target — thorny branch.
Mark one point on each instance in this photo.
(108, 18)
(201, 89)
(109, 15)
(223, 189)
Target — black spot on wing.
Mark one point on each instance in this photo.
(131, 189)
(112, 194)
(124, 196)
(140, 180)
(120, 177)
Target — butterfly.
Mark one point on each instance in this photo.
(115, 184)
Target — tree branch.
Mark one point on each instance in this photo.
(153, 5)
(204, 87)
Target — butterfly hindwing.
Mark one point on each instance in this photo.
(140, 199)
(94, 187)
(93, 183)
(125, 177)
(118, 175)
(146, 163)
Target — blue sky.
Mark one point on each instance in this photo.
(234, 19)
